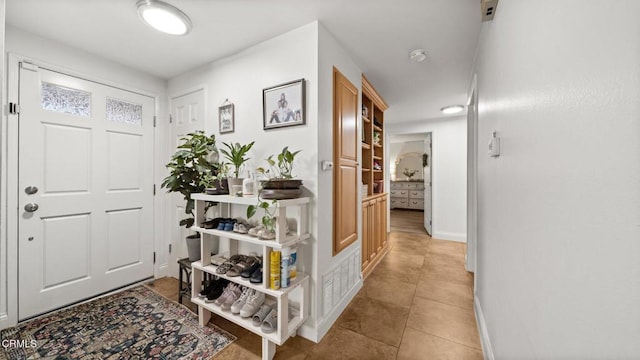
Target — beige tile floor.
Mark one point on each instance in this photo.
(417, 304)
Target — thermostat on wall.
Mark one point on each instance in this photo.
(494, 145)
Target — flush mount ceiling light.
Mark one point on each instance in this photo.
(418, 55)
(164, 17)
(452, 109)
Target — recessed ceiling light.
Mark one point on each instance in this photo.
(418, 55)
(452, 109)
(164, 17)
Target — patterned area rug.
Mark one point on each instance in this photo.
(132, 324)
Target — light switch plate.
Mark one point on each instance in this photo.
(494, 145)
(327, 165)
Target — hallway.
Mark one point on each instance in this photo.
(416, 304)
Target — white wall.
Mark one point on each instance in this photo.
(399, 148)
(5, 317)
(558, 272)
(330, 268)
(449, 173)
(241, 79)
(81, 63)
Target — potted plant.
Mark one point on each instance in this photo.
(237, 155)
(409, 173)
(280, 172)
(219, 182)
(191, 172)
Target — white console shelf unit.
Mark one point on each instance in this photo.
(288, 324)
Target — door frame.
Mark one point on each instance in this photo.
(429, 135)
(472, 177)
(169, 149)
(9, 203)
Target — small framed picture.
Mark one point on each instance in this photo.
(227, 118)
(284, 105)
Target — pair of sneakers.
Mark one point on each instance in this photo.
(230, 294)
(213, 289)
(262, 233)
(248, 303)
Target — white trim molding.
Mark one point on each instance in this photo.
(472, 175)
(441, 235)
(487, 351)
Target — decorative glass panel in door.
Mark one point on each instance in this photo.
(65, 100)
(124, 112)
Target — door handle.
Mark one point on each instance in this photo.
(31, 207)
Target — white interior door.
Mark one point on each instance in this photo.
(85, 189)
(427, 185)
(187, 115)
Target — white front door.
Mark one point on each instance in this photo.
(427, 176)
(187, 115)
(85, 189)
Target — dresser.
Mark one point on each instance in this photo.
(407, 195)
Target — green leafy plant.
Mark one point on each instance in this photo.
(236, 154)
(189, 170)
(280, 165)
(269, 217)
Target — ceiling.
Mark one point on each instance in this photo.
(379, 34)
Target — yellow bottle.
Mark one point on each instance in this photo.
(275, 270)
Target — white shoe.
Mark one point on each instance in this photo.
(233, 296)
(266, 234)
(254, 230)
(252, 305)
(227, 291)
(238, 304)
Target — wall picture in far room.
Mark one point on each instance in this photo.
(284, 105)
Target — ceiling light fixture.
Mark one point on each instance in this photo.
(418, 55)
(164, 17)
(452, 109)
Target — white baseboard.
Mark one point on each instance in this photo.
(162, 271)
(441, 235)
(7, 321)
(482, 329)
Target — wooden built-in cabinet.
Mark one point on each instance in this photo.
(374, 231)
(345, 158)
(374, 201)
